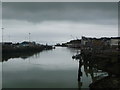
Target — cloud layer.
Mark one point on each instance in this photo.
(99, 13)
(56, 21)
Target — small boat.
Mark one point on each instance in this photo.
(76, 56)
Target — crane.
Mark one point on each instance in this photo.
(72, 37)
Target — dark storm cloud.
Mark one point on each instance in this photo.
(90, 12)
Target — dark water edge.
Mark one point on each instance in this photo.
(7, 56)
(22, 52)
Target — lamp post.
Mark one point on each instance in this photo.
(29, 37)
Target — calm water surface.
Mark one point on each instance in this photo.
(47, 69)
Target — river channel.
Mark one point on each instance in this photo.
(48, 69)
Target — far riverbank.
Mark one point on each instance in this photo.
(21, 49)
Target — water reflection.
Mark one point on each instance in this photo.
(47, 69)
(23, 55)
(80, 74)
(88, 69)
(79, 71)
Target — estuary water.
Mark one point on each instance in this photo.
(48, 69)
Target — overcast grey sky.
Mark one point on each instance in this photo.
(53, 22)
